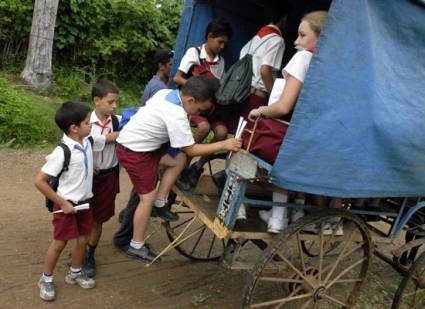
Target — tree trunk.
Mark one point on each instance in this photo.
(38, 66)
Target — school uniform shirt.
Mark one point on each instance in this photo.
(191, 57)
(106, 158)
(75, 185)
(269, 47)
(154, 85)
(162, 120)
(298, 65)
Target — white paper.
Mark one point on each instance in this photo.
(277, 90)
(77, 208)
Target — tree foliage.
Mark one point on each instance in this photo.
(115, 35)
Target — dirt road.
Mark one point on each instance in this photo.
(25, 231)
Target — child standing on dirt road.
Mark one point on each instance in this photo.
(106, 176)
(75, 188)
(141, 149)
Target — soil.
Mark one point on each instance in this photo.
(175, 283)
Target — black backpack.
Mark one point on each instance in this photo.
(235, 85)
(54, 181)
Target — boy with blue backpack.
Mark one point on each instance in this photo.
(74, 189)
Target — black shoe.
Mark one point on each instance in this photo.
(183, 184)
(89, 265)
(144, 254)
(193, 174)
(165, 213)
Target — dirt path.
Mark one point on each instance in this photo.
(25, 231)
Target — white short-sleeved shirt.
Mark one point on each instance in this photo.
(106, 158)
(298, 65)
(191, 57)
(270, 53)
(159, 122)
(75, 184)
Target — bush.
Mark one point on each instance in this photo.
(25, 119)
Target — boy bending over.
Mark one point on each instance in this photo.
(142, 148)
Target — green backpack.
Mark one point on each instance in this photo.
(235, 86)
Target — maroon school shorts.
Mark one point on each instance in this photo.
(141, 167)
(67, 227)
(106, 186)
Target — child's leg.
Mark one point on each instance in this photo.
(142, 215)
(202, 130)
(220, 132)
(78, 251)
(95, 234)
(52, 255)
(174, 167)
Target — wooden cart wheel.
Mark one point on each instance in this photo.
(203, 245)
(411, 291)
(286, 277)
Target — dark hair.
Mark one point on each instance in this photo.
(70, 113)
(219, 27)
(161, 56)
(275, 12)
(102, 87)
(200, 87)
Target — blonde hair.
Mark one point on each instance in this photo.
(316, 20)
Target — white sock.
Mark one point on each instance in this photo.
(75, 270)
(136, 244)
(159, 203)
(300, 201)
(47, 278)
(278, 211)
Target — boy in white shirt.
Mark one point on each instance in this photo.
(141, 149)
(75, 188)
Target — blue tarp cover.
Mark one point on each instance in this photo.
(358, 129)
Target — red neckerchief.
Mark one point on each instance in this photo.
(103, 126)
(267, 30)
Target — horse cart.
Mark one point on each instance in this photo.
(356, 133)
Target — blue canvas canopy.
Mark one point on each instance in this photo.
(358, 129)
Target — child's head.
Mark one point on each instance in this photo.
(105, 97)
(74, 118)
(198, 94)
(163, 62)
(310, 28)
(218, 34)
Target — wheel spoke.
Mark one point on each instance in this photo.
(280, 280)
(281, 301)
(307, 304)
(211, 246)
(345, 271)
(320, 252)
(300, 252)
(339, 258)
(295, 269)
(180, 224)
(334, 300)
(197, 240)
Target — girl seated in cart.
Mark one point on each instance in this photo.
(269, 133)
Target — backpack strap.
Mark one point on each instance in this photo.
(90, 138)
(259, 45)
(67, 156)
(115, 123)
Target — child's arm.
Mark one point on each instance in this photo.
(231, 144)
(111, 137)
(42, 185)
(179, 78)
(267, 77)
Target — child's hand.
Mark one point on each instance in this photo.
(232, 144)
(67, 208)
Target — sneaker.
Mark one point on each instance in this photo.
(47, 290)
(241, 213)
(277, 225)
(327, 229)
(144, 254)
(265, 215)
(165, 213)
(339, 230)
(296, 214)
(80, 278)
